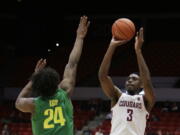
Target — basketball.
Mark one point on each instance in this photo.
(123, 29)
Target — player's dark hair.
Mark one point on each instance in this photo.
(45, 82)
(137, 73)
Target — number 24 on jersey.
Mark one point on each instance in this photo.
(55, 115)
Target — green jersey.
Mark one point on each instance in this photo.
(53, 116)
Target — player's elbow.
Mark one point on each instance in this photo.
(102, 75)
(17, 104)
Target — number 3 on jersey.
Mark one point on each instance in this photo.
(56, 115)
(130, 112)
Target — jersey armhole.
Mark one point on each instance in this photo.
(117, 101)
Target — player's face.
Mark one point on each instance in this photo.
(133, 82)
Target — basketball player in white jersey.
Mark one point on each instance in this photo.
(131, 109)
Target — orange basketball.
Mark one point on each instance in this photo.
(123, 29)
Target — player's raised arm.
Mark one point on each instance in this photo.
(144, 71)
(23, 102)
(105, 80)
(69, 77)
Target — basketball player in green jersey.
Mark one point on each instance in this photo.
(52, 110)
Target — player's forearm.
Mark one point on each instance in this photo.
(105, 65)
(24, 103)
(144, 71)
(26, 91)
(145, 76)
(76, 51)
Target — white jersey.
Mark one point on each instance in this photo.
(129, 116)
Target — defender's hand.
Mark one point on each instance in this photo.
(83, 27)
(40, 65)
